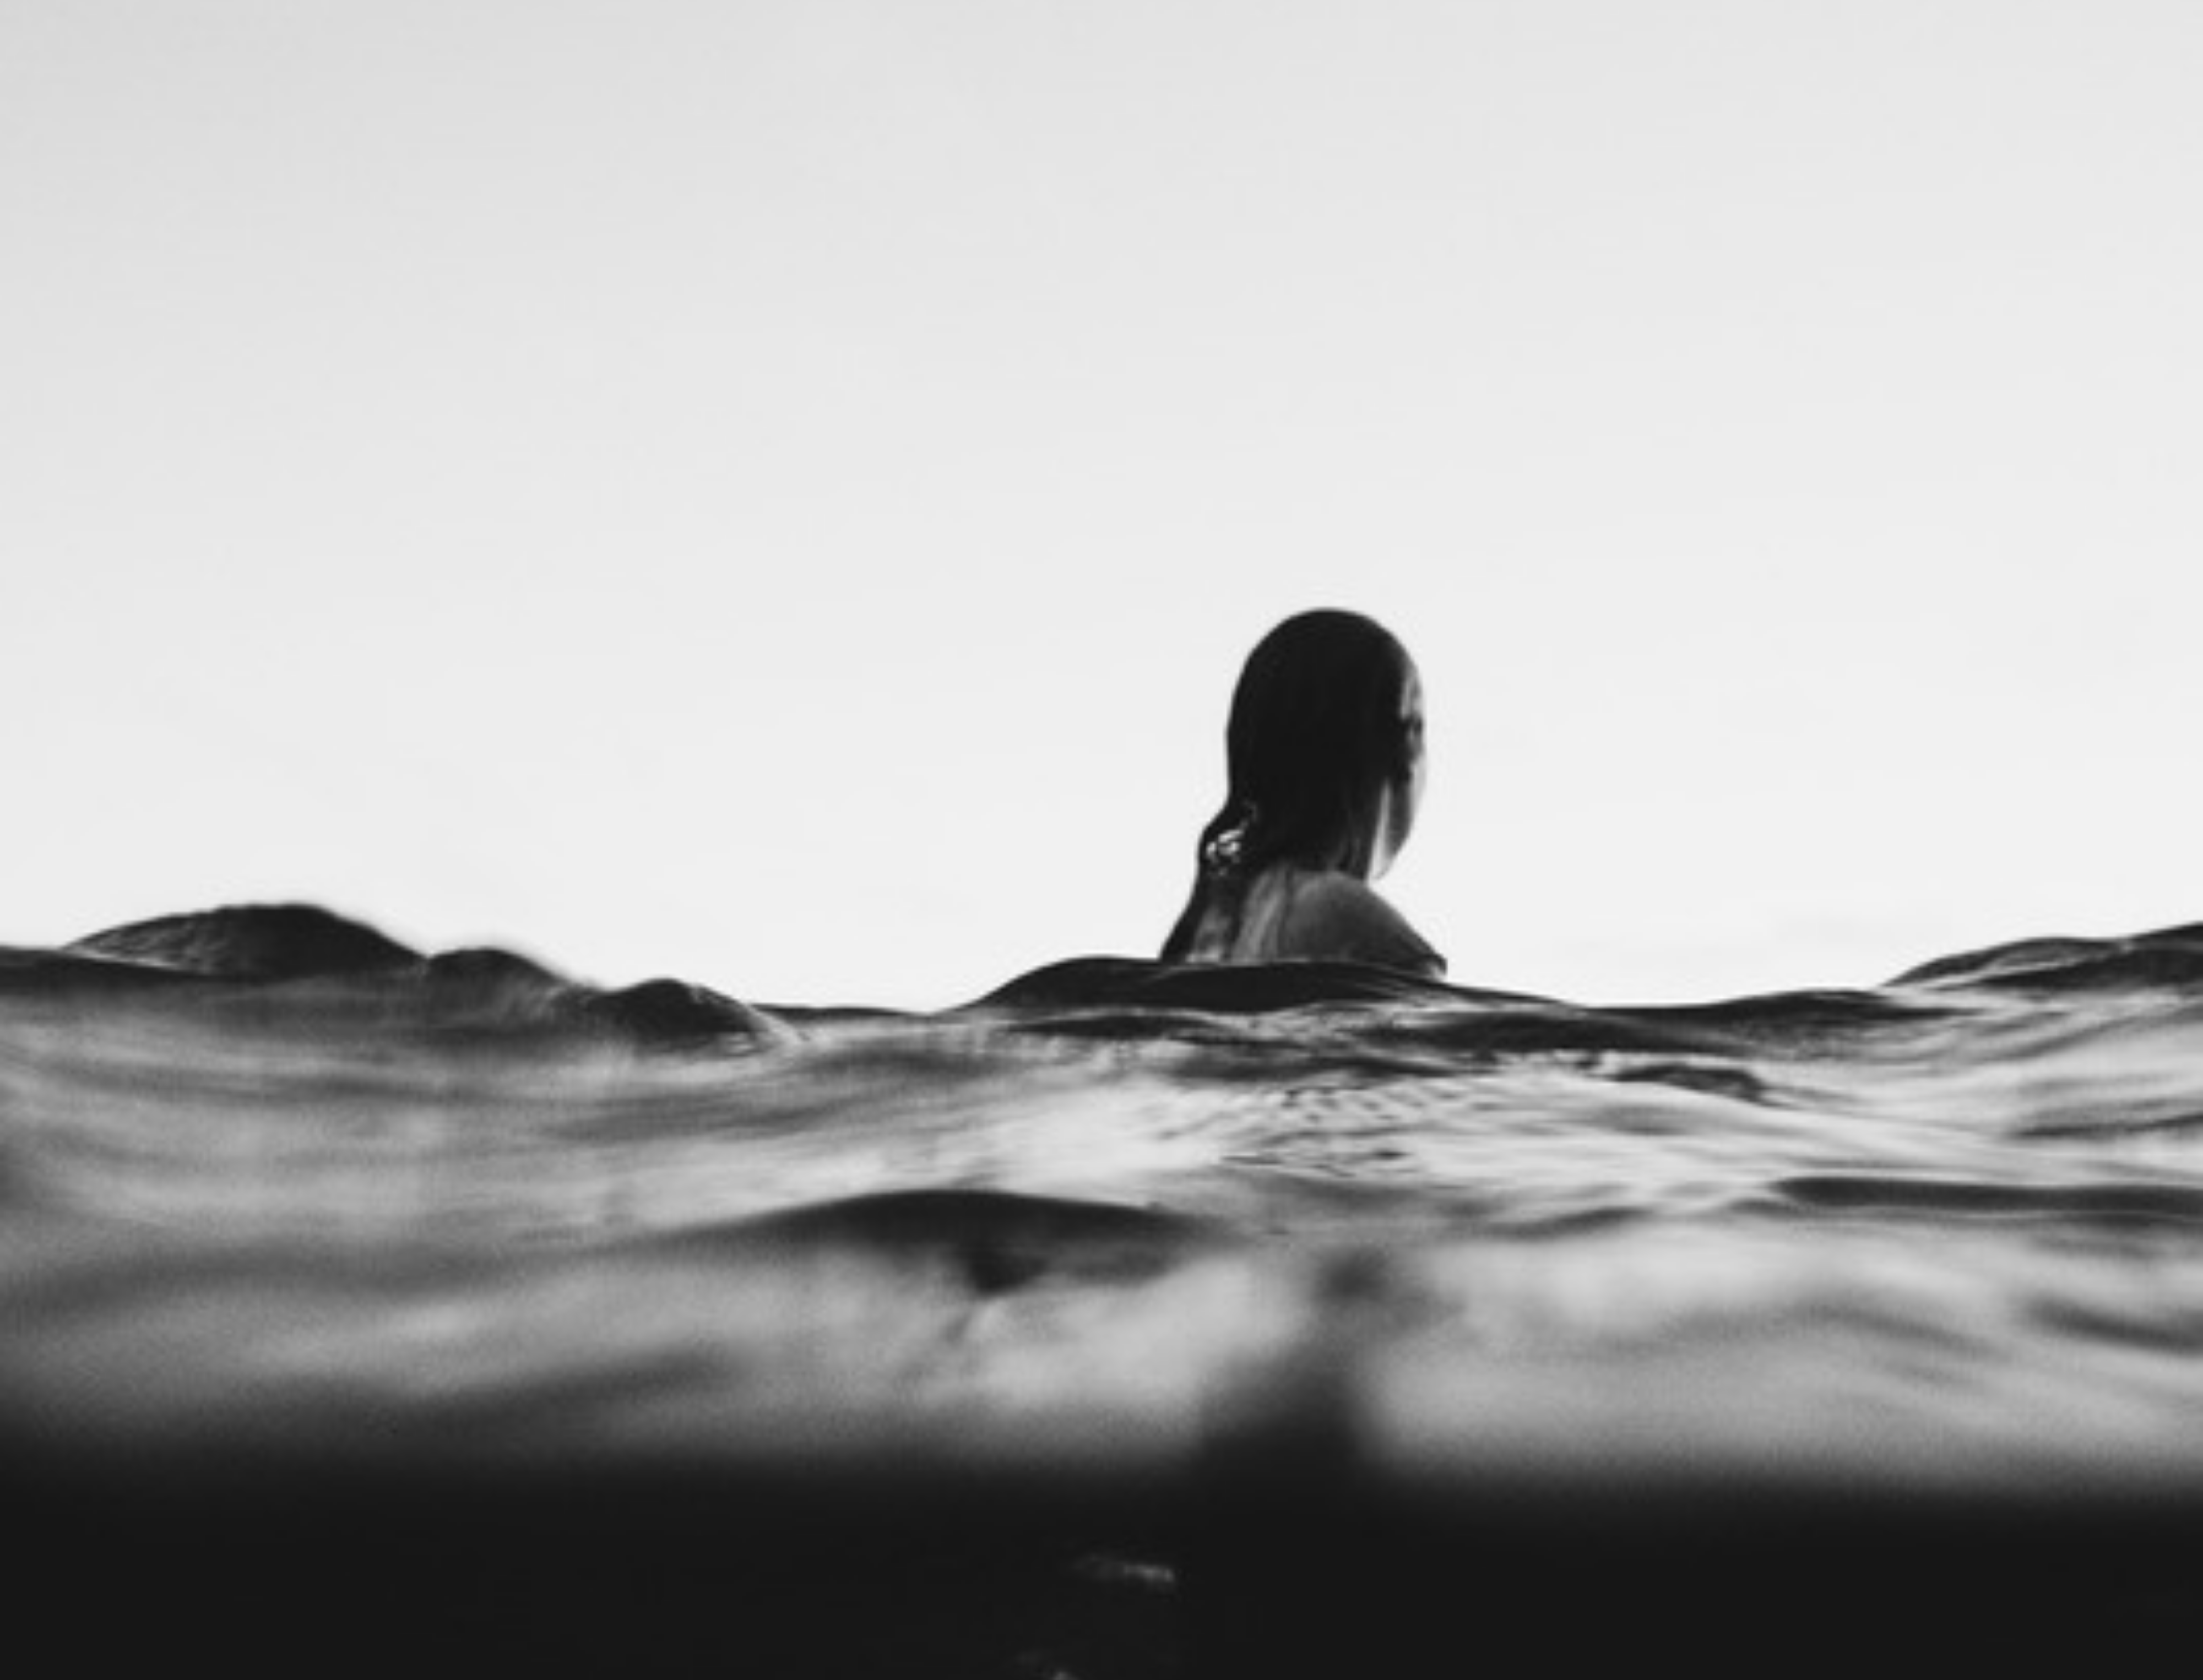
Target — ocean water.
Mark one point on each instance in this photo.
(278, 1194)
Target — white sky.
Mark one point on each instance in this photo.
(779, 494)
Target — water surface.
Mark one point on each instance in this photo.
(271, 1180)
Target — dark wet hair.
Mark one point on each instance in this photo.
(1316, 738)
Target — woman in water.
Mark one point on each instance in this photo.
(1325, 749)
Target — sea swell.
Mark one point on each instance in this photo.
(1177, 1251)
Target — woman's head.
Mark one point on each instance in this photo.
(1325, 749)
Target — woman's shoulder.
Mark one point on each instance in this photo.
(1335, 916)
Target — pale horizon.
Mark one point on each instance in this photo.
(778, 494)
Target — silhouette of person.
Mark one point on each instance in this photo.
(1325, 759)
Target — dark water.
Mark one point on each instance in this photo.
(279, 1190)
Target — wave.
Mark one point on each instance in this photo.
(313, 958)
(1235, 1225)
(323, 960)
(997, 1241)
(2168, 958)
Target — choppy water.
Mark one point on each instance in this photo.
(268, 1177)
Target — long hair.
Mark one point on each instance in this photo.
(1315, 739)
